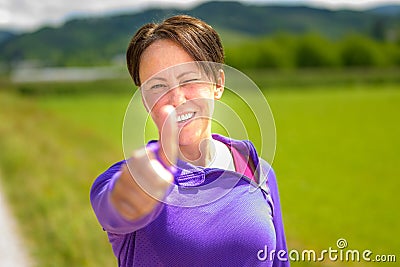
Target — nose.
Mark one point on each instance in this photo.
(177, 96)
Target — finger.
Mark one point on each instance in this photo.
(134, 197)
(148, 173)
(155, 181)
(125, 209)
(133, 203)
(169, 135)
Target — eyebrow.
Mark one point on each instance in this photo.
(185, 73)
(178, 77)
(157, 78)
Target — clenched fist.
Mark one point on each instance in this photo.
(146, 176)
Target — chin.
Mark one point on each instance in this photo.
(191, 134)
(186, 139)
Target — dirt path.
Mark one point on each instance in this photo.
(12, 249)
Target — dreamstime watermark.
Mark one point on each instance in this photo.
(339, 253)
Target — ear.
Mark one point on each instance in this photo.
(220, 85)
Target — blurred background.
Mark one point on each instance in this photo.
(330, 71)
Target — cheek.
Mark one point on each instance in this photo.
(157, 115)
(206, 91)
(200, 95)
(206, 106)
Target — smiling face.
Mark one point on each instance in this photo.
(172, 78)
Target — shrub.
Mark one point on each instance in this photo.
(314, 51)
(270, 55)
(357, 50)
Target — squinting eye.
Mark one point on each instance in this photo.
(190, 80)
(158, 86)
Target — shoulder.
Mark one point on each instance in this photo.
(244, 147)
(111, 170)
(105, 177)
(266, 176)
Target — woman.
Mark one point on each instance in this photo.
(163, 206)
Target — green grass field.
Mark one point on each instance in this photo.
(336, 162)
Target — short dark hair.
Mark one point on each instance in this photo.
(195, 36)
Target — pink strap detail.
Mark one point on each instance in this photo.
(242, 164)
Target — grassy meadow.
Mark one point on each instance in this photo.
(336, 161)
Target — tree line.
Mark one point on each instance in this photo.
(282, 51)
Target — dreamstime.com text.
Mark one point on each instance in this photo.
(340, 253)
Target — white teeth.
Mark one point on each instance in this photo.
(185, 116)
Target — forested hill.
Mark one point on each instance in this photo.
(99, 40)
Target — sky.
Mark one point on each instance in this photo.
(29, 15)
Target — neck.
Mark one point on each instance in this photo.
(199, 154)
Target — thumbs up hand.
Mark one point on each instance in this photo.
(148, 173)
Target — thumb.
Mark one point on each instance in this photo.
(169, 136)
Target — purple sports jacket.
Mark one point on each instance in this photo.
(211, 217)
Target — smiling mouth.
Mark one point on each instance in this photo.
(185, 117)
